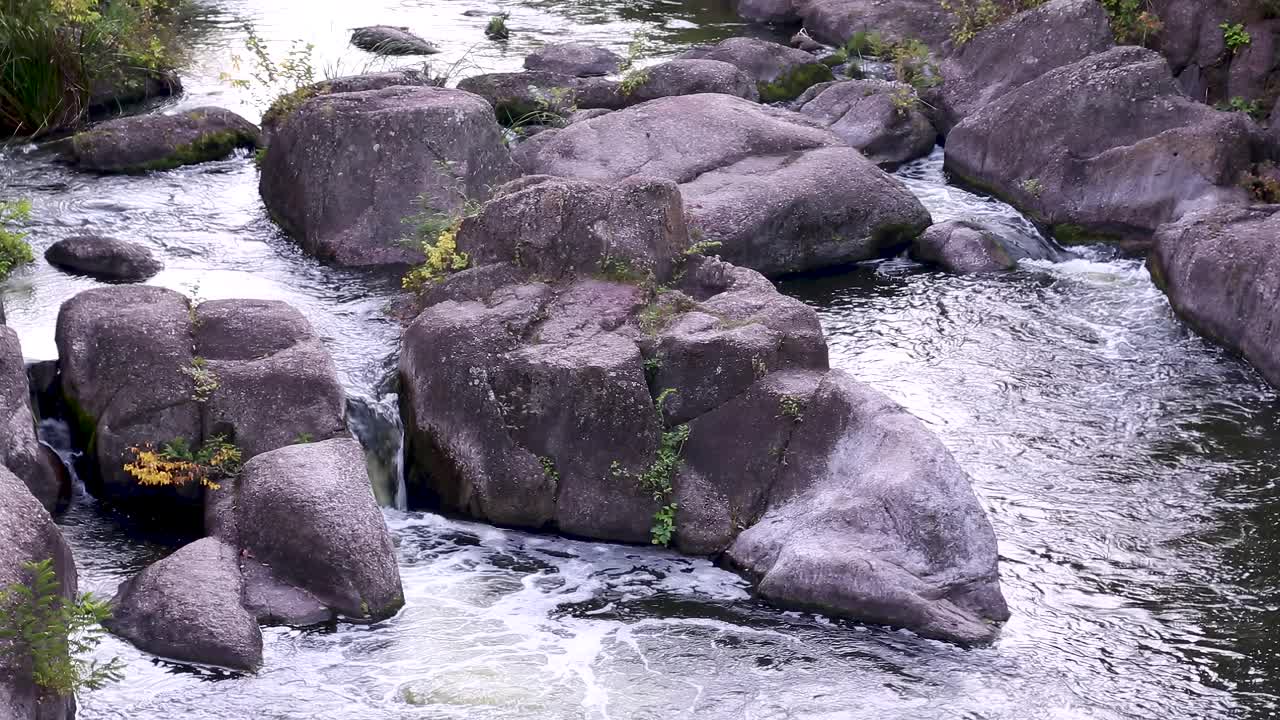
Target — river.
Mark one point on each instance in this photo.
(1129, 468)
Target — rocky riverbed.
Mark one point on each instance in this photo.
(591, 349)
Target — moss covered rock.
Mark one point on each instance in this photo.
(781, 73)
(161, 142)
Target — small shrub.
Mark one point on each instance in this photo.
(904, 100)
(913, 65)
(703, 247)
(1032, 187)
(632, 81)
(436, 234)
(1235, 36)
(203, 377)
(792, 407)
(55, 637)
(1252, 108)
(970, 17)
(1132, 21)
(1262, 183)
(177, 464)
(14, 250)
(497, 28)
(549, 468)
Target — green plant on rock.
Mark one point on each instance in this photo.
(904, 101)
(53, 636)
(703, 247)
(1261, 183)
(633, 81)
(633, 77)
(202, 377)
(14, 250)
(1252, 108)
(792, 406)
(549, 468)
(177, 463)
(436, 234)
(970, 17)
(913, 65)
(1235, 36)
(1133, 22)
(1032, 187)
(658, 477)
(497, 28)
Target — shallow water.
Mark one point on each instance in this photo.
(1129, 469)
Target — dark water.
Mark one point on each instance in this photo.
(1128, 467)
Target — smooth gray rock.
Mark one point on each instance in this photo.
(282, 108)
(780, 12)
(346, 169)
(104, 258)
(1106, 148)
(1222, 275)
(575, 59)
(391, 40)
(519, 97)
(1012, 53)
(266, 355)
(881, 119)
(274, 601)
(28, 534)
(778, 192)
(970, 246)
(160, 142)
(186, 607)
(872, 518)
(307, 512)
(780, 72)
(20, 450)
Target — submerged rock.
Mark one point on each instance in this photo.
(28, 535)
(1012, 53)
(881, 119)
(105, 258)
(347, 169)
(307, 513)
(161, 142)
(589, 376)
(1222, 275)
(187, 607)
(20, 450)
(390, 40)
(970, 246)
(1106, 148)
(781, 73)
(575, 59)
(778, 192)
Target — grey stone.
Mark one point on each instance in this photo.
(573, 58)
(186, 607)
(20, 450)
(159, 142)
(883, 120)
(104, 258)
(391, 40)
(780, 72)
(346, 169)
(970, 246)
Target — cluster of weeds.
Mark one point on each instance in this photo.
(1032, 187)
(1235, 36)
(1262, 184)
(659, 476)
(1133, 22)
(1252, 108)
(14, 250)
(633, 77)
(497, 28)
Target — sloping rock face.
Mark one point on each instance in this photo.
(390, 40)
(1017, 51)
(345, 170)
(105, 258)
(881, 119)
(1191, 37)
(1105, 148)
(865, 513)
(27, 534)
(282, 109)
(161, 142)
(621, 389)
(781, 73)
(20, 450)
(577, 59)
(778, 192)
(307, 513)
(131, 376)
(691, 77)
(971, 246)
(1221, 272)
(187, 607)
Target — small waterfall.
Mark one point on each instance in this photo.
(376, 424)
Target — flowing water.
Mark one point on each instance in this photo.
(1129, 469)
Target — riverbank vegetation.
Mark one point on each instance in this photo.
(59, 58)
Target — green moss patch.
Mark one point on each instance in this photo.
(791, 85)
